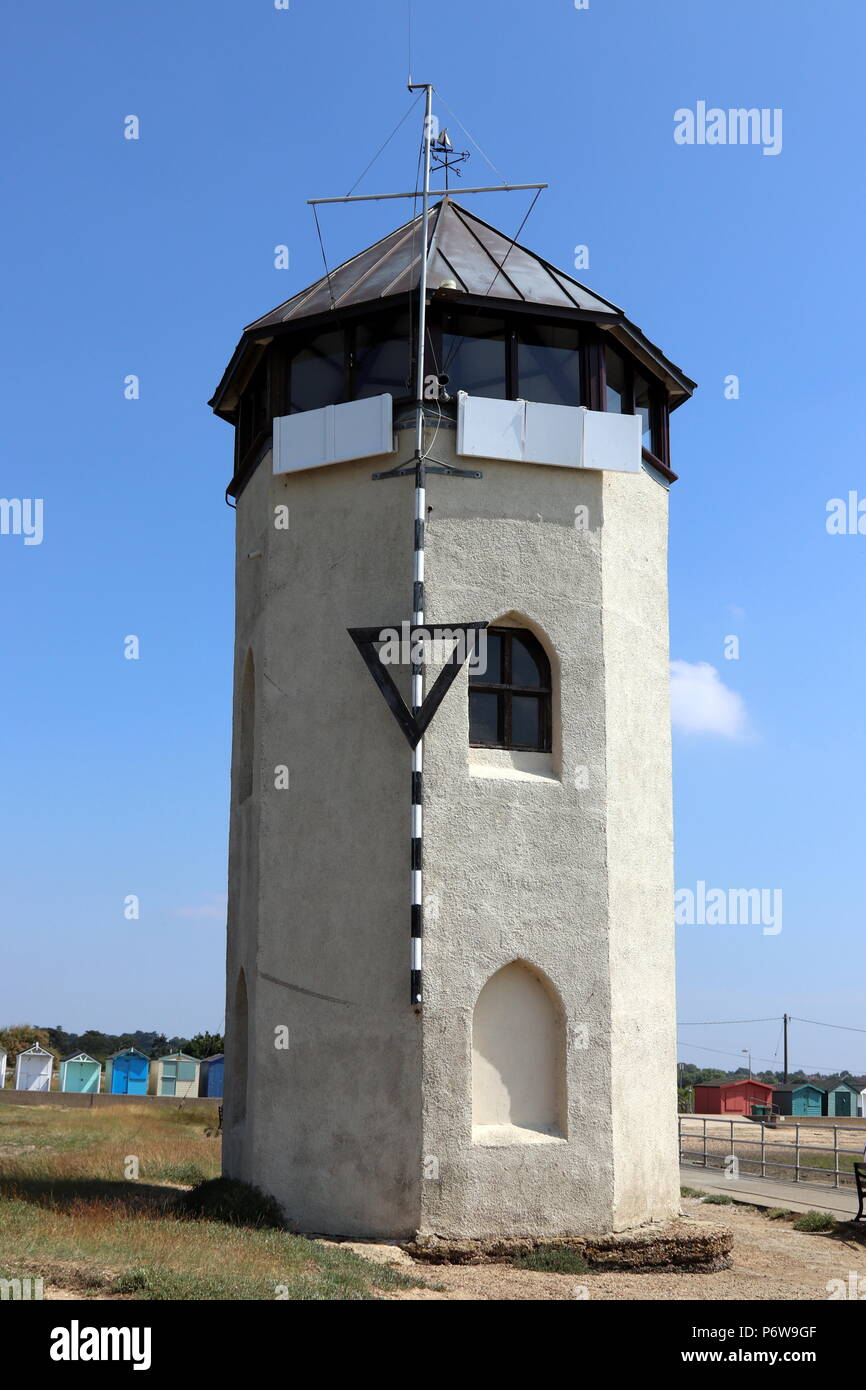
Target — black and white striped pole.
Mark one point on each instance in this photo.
(417, 813)
(413, 721)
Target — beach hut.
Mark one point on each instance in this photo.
(212, 1070)
(177, 1075)
(2, 1069)
(800, 1098)
(33, 1069)
(126, 1072)
(843, 1099)
(80, 1072)
(731, 1097)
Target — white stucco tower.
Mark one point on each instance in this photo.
(534, 1090)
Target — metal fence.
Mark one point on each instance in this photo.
(714, 1141)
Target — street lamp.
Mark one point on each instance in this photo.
(746, 1053)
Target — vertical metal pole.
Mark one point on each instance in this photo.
(785, 1026)
(417, 816)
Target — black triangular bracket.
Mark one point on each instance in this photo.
(413, 725)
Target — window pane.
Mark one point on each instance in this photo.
(382, 358)
(169, 1068)
(548, 365)
(186, 1071)
(615, 372)
(318, 373)
(526, 721)
(483, 717)
(488, 672)
(473, 356)
(643, 407)
(524, 668)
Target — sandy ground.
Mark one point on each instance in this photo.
(770, 1261)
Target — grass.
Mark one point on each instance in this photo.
(778, 1213)
(718, 1199)
(552, 1259)
(72, 1213)
(691, 1192)
(815, 1221)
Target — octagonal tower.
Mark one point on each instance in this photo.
(533, 1092)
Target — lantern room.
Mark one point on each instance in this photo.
(503, 325)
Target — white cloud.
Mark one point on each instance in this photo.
(214, 910)
(702, 704)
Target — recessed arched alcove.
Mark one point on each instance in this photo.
(518, 1059)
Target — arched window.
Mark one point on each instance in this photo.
(509, 693)
(246, 736)
(517, 1054)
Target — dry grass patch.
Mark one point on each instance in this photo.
(70, 1213)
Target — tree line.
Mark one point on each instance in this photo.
(17, 1037)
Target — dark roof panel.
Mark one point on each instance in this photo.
(461, 246)
(485, 264)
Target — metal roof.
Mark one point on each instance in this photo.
(799, 1086)
(461, 247)
(483, 263)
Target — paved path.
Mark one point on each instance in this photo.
(770, 1192)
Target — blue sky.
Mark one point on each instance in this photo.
(149, 256)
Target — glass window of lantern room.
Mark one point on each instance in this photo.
(474, 356)
(318, 372)
(381, 358)
(629, 393)
(510, 693)
(643, 406)
(253, 410)
(548, 364)
(615, 379)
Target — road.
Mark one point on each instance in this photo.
(770, 1192)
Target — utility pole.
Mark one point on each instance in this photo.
(785, 1027)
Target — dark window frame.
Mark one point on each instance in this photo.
(659, 455)
(505, 690)
(587, 347)
(271, 376)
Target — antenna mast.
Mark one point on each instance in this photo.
(439, 148)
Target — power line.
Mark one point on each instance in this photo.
(725, 1022)
(818, 1025)
(755, 1058)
